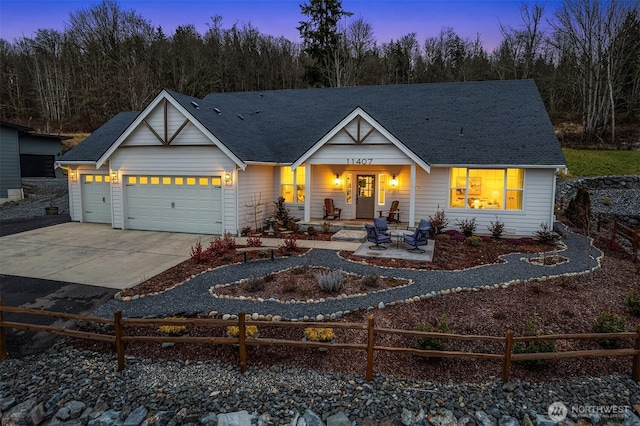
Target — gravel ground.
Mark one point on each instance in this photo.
(39, 193)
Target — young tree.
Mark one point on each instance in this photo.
(323, 42)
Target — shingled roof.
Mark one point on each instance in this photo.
(472, 123)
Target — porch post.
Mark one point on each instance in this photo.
(307, 193)
(412, 197)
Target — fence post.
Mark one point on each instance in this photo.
(635, 373)
(3, 337)
(242, 347)
(117, 323)
(506, 365)
(370, 341)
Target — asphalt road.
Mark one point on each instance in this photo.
(42, 294)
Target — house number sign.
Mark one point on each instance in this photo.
(363, 161)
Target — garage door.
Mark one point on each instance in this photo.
(174, 203)
(96, 199)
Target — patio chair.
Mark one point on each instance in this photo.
(420, 237)
(374, 237)
(381, 225)
(394, 213)
(330, 210)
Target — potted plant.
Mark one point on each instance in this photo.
(51, 210)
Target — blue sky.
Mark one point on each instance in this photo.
(390, 19)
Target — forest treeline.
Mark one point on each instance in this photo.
(584, 57)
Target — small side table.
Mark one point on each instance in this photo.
(399, 234)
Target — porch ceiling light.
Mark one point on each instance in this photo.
(73, 175)
(228, 178)
(394, 181)
(114, 176)
(336, 181)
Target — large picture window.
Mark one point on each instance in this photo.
(292, 184)
(491, 189)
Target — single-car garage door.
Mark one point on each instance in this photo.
(96, 199)
(174, 203)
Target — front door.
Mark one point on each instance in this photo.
(365, 196)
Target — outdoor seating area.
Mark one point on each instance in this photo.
(397, 243)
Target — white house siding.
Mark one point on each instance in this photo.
(255, 183)
(374, 137)
(173, 161)
(432, 191)
(75, 190)
(344, 155)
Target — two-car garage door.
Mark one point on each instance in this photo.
(174, 203)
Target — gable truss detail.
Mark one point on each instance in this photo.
(358, 139)
(166, 140)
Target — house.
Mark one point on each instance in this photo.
(476, 149)
(24, 153)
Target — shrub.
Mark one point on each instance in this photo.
(496, 228)
(299, 270)
(326, 226)
(467, 226)
(534, 347)
(292, 225)
(330, 281)
(221, 247)
(608, 322)
(281, 213)
(311, 231)
(254, 284)
(439, 221)
(544, 234)
(606, 201)
(254, 241)
(474, 241)
(249, 331)
(433, 343)
(455, 235)
(289, 245)
(371, 280)
(245, 231)
(173, 330)
(632, 300)
(319, 334)
(198, 254)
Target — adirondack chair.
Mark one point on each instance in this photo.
(330, 210)
(394, 212)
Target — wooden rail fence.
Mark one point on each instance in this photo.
(119, 339)
(619, 230)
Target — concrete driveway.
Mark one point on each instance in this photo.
(93, 254)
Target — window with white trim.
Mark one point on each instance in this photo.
(489, 189)
(292, 184)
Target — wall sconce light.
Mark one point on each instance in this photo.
(228, 178)
(336, 181)
(394, 181)
(114, 176)
(73, 175)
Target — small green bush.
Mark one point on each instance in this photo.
(439, 221)
(330, 281)
(433, 343)
(467, 226)
(474, 240)
(254, 284)
(632, 300)
(326, 226)
(608, 322)
(545, 234)
(311, 231)
(496, 228)
(371, 280)
(606, 201)
(531, 328)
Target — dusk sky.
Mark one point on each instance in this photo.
(390, 19)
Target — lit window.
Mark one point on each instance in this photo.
(348, 188)
(191, 181)
(88, 178)
(179, 181)
(216, 181)
(489, 189)
(131, 180)
(144, 180)
(166, 180)
(204, 181)
(155, 181)
(382, 188)
(98, 178)
(107, 178)
(292, 183)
